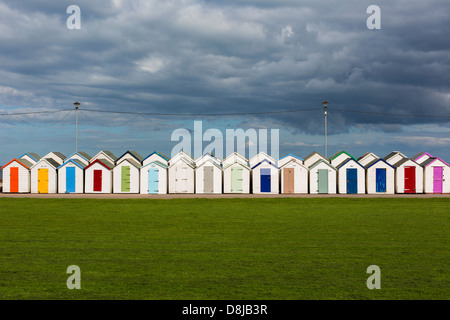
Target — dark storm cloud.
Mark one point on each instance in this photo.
(231, 56)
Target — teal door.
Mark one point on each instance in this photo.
(153, 180)
(322, 180)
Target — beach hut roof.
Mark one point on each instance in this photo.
(393, 153)
(319, 161)
(420, 154)
(265, 160)
(158, 163)
(238, 162)
(402, 161)
(431, 160)
(32, 155)
(347, 160)
(82, 154)
(339, 153)
(76, 162)
(292, 155)
(159, 154)
(27, 164)
(367, 154)
(108, 165)
(134, 154)
(371, 163)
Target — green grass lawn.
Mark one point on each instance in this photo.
(278, 248)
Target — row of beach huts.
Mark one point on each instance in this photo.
(157, 174)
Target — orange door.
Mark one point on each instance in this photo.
(288, 180)
(14, 179)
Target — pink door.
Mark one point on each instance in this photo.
(438, 173)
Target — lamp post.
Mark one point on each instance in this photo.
(76, 104)
(325, 105)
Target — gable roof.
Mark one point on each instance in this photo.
(265, 160)
(108, 165)
(420, 154)
(58, 154)
(189, 161)
(341, 152)
(52, 162)
(431, 160)
(134, 154)
(319, 161)
(76, 162)
(82, 154)
(214, 163)
(371, 163)
(293, 161)
(367, 154)
(312, 154)
(158, 153)
(393, 153)
(157, 163)
(402, 161)
(347, 160)
(292, 155)
(133, 162)
(239, 163)
(25, 163)
(235, 153)
(32, 155)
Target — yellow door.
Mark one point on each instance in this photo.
(42, 180)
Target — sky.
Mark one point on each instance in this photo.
(388, 89)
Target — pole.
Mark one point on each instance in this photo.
(76, 104)
(325, 105)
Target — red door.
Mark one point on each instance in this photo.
(97, 180)
(14, 179)
(410, 179)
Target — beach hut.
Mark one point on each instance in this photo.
(436, 176)
(408, 176)
(98, 177)
(351, 176)
(265, 175)
(126, 176)
(293, 176)
(322, 177)
(394, 157)
(367, 158)
(44, 176)
(58, 157)
(153, 178)
(236, 175)
(106, 155)
(339, 158)
(234, 157)
(208, 174)
(155, 156)
(80, 156)
(31, 157)
(259, 158)
(380, 177)
(181, 174)
(313, 158)
(71, 176)
(421, 157)
(288, 157)
(16, 176)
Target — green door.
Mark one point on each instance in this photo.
(125, 185)
(323, 180)
(236, 179)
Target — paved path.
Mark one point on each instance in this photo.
(217, 196)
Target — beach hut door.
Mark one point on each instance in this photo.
(438, 177)
(70, 179)
(153, 181)
(208, 179)
(265, 180)
(98, 180)
(42, 180)
(236, 179)
(181, 179)
(352, 180)
(322, 182)
(288, 180)
(14, 179)
(410, 179)
(380, 176)
(125, 185)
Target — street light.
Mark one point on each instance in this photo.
(325, 105)
(76, 104)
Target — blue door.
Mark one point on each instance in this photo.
(352, 181)
(70, 179)
(265, 180)
(380, 180)
(153, 180)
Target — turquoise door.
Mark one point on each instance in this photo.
(153, 181)
(70, 179)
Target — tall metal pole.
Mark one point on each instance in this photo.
(76, 104)
(325, 105)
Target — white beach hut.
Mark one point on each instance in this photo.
(58, 157)
(380, 177)
(44, 176)
(80, 156)
(408, 176)
(105, 155)
(322, 177)
(236, 176)
(181, 173)
(265, 177)
(71, 176)
(436, 176)
(293, 176)
(312, 158)
(98, 177)
(394, 157)
(288, 157)
(234, 157)
(259, 158)
(351, 177)
(155, 156)
(367, 158)
(208, 174)
(16, 176)
(126, 173)
(154, 178)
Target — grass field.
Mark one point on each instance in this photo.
(281, 249)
